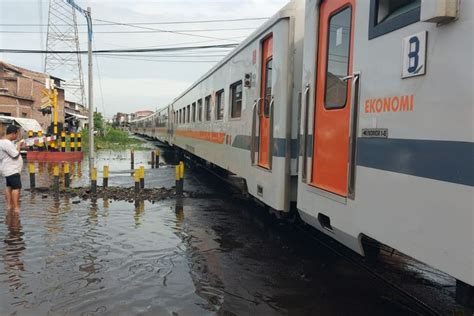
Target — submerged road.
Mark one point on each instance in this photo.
(218, 254)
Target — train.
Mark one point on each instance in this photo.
(358, 114)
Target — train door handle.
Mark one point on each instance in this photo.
(254, 131)
(270, 143)
(305, 133)
(353, 134)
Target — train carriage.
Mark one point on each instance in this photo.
(387, 127)
(241, 115)
(360, 112)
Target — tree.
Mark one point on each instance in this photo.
(98, 122)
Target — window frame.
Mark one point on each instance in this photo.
(188, 113)
(193, 112)
(220, 96)
(332, 15)
(208, 108)
(232, 88)
(384, 27)
(199, 109)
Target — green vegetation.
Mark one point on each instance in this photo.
(112, 138)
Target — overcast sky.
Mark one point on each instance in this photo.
(127, 84)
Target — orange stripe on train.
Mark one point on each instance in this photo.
(212, 137)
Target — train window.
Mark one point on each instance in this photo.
(193, 113)
(220, 105)
(236, 99)
(390, 15)
(207, 106)
(339, 39)
(268, 87)
(199, 110)
(188, 113)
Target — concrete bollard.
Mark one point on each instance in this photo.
(179, 191)
(153, 160)
(157, 158)
(79, 142)
(32, 171)
(63, 141)
(72, 142)
(40, 142)
(181, 175)
(94, 181)
(56, 179)
(30, 135)
(105, 182)
(136, 177)
(142, 177)
(67, 178)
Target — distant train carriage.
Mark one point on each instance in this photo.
(242, 115)
(360, 112)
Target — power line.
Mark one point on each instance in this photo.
(153, 29)
(144, 32)
(143, 50)
(160, 60)
(149, 23)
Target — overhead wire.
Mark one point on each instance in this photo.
(148, 23)
(145, 32)
(137, 50)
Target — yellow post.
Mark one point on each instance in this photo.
(106, 177)
(94, 180)
(31, 171)
(72, 142)
(79, 140)
(56, 179)
(63, 141)
(136, 176)
(181, 170)
(142, 177)
(67, 179)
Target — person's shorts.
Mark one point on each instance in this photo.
(14, 181)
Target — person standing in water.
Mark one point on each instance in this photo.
(11, 164)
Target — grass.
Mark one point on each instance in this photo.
(113, 139)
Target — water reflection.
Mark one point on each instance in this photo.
(14, 247)
(139, 211)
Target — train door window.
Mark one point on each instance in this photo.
(390, 15)
(199, 102)
(338, 59)
(207, 106)
(220, 105)
(268, 87)
(188, 114)
(193, 113)
(236, 99)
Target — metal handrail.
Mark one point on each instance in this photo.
(304, 169)
(253, 134)
(353, 134)
(270, 143)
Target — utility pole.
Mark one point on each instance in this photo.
(88, 16)
(91, 95)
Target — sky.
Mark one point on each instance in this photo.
(129, 83)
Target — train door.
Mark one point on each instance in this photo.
(265, 100)
(333, 97)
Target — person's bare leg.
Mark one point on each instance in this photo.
(8, 198)
(15, 200)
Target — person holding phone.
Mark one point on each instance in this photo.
(11, 164)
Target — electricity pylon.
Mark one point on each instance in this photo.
(63, 36)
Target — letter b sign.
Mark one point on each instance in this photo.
(414, 48)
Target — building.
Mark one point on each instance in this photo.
(21, 94)
(142, 113)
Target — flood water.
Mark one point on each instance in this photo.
(214, 255)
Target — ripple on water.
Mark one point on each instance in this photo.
(65, 258)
